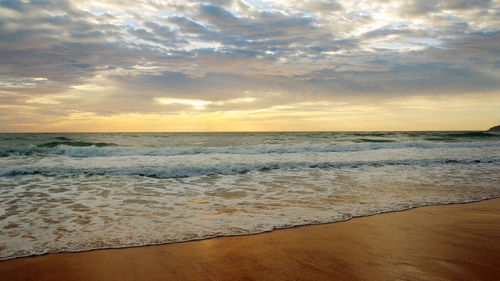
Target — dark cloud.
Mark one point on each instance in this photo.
(13, 5)
(418, 7)
(401, 80)
(465, 4)
(81, 65)
(92, 35)
(322, 5)
(210, 86)
(262, 25)
(36, 6)
(384, 32)
(188, 26)
(422, 7)
(217, 15)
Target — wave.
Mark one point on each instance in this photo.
(373, 134)
(257, 149)
(75, 144)
(227, 169)
(472, 135)
(374, 140)
(89, 149)
(63, 138)
(430, 135)
(454, 136)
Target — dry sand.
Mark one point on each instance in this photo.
(453, 242)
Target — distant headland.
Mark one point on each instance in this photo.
(496, 128)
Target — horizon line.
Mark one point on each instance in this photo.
(304, 131)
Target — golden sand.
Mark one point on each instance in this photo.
(453, 242)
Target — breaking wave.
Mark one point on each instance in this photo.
(108, 150)
(68, 142)
(226, 169)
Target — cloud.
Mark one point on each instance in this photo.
(108, 58)
(418, 7)
(188, 26)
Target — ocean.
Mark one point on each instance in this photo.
(64, 192)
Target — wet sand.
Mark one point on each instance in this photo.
(452, 242)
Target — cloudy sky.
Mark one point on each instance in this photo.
(249, 65)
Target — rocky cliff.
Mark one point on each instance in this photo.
(494, 129)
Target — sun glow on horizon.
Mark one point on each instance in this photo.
(394, 115)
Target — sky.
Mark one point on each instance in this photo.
(242, 65)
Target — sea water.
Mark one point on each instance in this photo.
(81, 191)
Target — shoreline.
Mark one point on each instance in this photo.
(251, 234)
(462, 240)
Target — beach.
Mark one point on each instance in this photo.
(447, 242)
(249, 140)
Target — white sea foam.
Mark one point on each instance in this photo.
(226, 169)
(66, 194)
(258, 149)
(75, 213)
(92, 151)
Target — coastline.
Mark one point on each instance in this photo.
(455, 241)
(250, 233)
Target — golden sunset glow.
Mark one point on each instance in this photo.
(414, 114)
